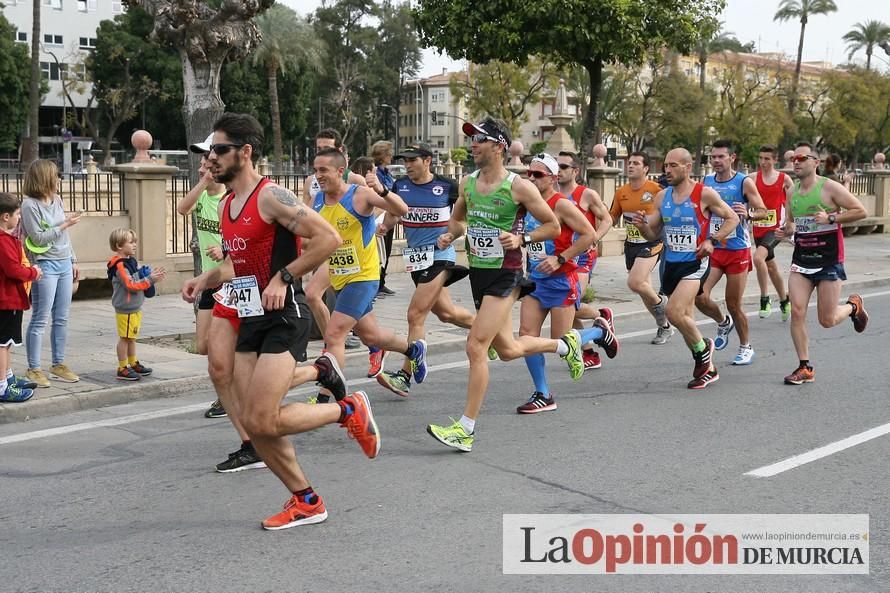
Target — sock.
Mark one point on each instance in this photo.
(854, 309)
(322, 398)
(3, 385)
(346, 411)
(373, 349)
(592, 334)
(406, 375)
(785, 301)
(804, 364)
(9, 375)
(698, 347)
(122, 364)
(307, 495)
(411, 352)
(132, 360)
(468, 423)
(562, 348)
(536, 368)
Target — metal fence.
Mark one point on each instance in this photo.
(100, 192)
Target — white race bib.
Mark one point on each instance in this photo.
(808, 224)
(803, 270)
(484, 243)
(716, 223)
(224, 296)
(419, 258)
(246, 297)
(344, 261)
(536, 251)
(681, 239)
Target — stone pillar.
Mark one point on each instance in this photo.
(882, 195)
(604, 181)
(144, 188)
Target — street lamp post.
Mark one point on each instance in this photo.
(418, 96)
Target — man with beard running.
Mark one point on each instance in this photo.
(815, 211)
(732, 258)
(682, 220)
(430, 199)
(597, 214)
(260, 223)
(492, 204)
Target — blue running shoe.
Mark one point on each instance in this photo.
(723, 331)
(418, 361)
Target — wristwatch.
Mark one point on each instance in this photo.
(526, 239)
(383, 193)
(832, 219)
(286, 276)
(560, 259)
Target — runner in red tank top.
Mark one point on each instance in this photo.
(598, 215)
(260, 223)
(772, 186)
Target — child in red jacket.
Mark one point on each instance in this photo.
(13, 298)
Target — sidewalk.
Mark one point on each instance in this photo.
(92, 335)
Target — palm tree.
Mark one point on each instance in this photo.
(287, 42)
(713, 40)
(800, 10)
(867, 36)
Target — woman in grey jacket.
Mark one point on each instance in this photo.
(48, 245)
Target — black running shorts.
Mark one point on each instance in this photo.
(274, 334)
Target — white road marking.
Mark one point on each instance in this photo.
(190, 409)
(61, 430)
(768, 471)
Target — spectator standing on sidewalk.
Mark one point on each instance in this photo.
(381, 153)
(48, 246)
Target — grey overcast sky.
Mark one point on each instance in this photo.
(749, 20)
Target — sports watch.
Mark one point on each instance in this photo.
(286, 276)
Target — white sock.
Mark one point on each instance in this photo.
(562, 348)
(9, 374)
(3, 386)
(468, 423)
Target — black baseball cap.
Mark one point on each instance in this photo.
(489, 128)
(418, 149)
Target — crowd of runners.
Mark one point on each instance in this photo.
(529, 237)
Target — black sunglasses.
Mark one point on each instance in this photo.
(565, 166)
(223, 148)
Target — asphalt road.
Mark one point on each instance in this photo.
(125, 499)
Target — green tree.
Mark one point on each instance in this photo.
(588, 34)
(866, 36)
(205, 34)
(15, 68)
(504, 90)
(856, 122)
(800, 10)
(288, 43)
(712, 41)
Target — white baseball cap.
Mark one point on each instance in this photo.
(203, 147)
(548, 161)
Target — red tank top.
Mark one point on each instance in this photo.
(591, 218)
(565, 238)
(259, 248)
(774, 199)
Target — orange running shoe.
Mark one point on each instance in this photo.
(375, 363)
(297, 512)
(860, 315)
(801, 375)
(360, 424)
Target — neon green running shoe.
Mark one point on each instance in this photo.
(785, 306)
(492, 353)
(453, 436)
(766, 308)
(574, 358)
(312, 399)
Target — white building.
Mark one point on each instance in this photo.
(68, 32)
(430, 113)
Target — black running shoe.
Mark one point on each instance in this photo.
(330, 376)
(216, 410)
(703, 359)
(242, 459)
(609, 342)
